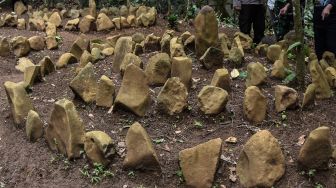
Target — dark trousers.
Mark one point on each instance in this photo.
(324, 32)
(252, 15)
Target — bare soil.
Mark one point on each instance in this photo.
(25, 164)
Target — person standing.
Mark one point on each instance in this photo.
(324, 20)
(251, 13)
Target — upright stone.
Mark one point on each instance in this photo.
(256, 74)
(206, 27)
(199, 164)
(34, 126)
(134, 91)
(123, 46)
(212, 100)
(19, 8)
(65, 132)
(182, 68)
(140, 150)
(99, 147)
(19, 101)
(20, 46)
(322, 90)
(104, 22)
(255, 104)
(212, 57)
(173, 96)
(221, 79)
(317, 149)
(158, 69)
(55, 19)
(84, 84)
(47, 66)
(105, 92)
(4, 47)
(285, 98)
(261, 163)
(130, 58)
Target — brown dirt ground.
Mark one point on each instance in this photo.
(25, 164)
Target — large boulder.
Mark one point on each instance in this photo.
(255, 104)
(55, 19)
(72, 25)
(51, 42)
(99, 147)
(181, 67)
(158, 69)
(246, 40)
(104, 22)
(261, 163)
(105, 92)
(212, 57)
(317, 149)
(285, 98)
(19, 101)
(236, 56)
(20, 46)
(87, 24)
(23, 63)
(309, 95)
(199, 163)
(134, 91)
(34, 126)
(4, 47)
(79, 46)
(221, 79)
(256, 74)
(65, 59)
(84, 84)
(47, 66)
(65, 132)
(206, 27)
(173, 96)
(32, 74)
(212, 100)
(140, 151)
(322, 90)
(36, 24)
(273, 52)
(123, 46)
(36, 43)
(130, 58)
(152, 43)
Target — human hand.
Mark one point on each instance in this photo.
(284, 10)
(237, 8)
(326, 11)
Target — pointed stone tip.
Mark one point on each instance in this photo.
(206, 9)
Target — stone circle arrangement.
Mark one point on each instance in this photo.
(261, 162)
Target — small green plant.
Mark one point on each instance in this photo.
(291, 76)
(2, 185)
(97, 174)
(311, 173)
(318, 185)
(172, 21)
(283, 116)
(243, 75)
(131, 173)
(179, 174)
(59, 38)
(198, 124)
(158, 141)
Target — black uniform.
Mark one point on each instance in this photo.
(324, 30)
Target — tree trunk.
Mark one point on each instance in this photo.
(169, 7)
(300, 55)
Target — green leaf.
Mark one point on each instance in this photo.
(158, 141)
(289, 78)
(291, 47)
(243, 74)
